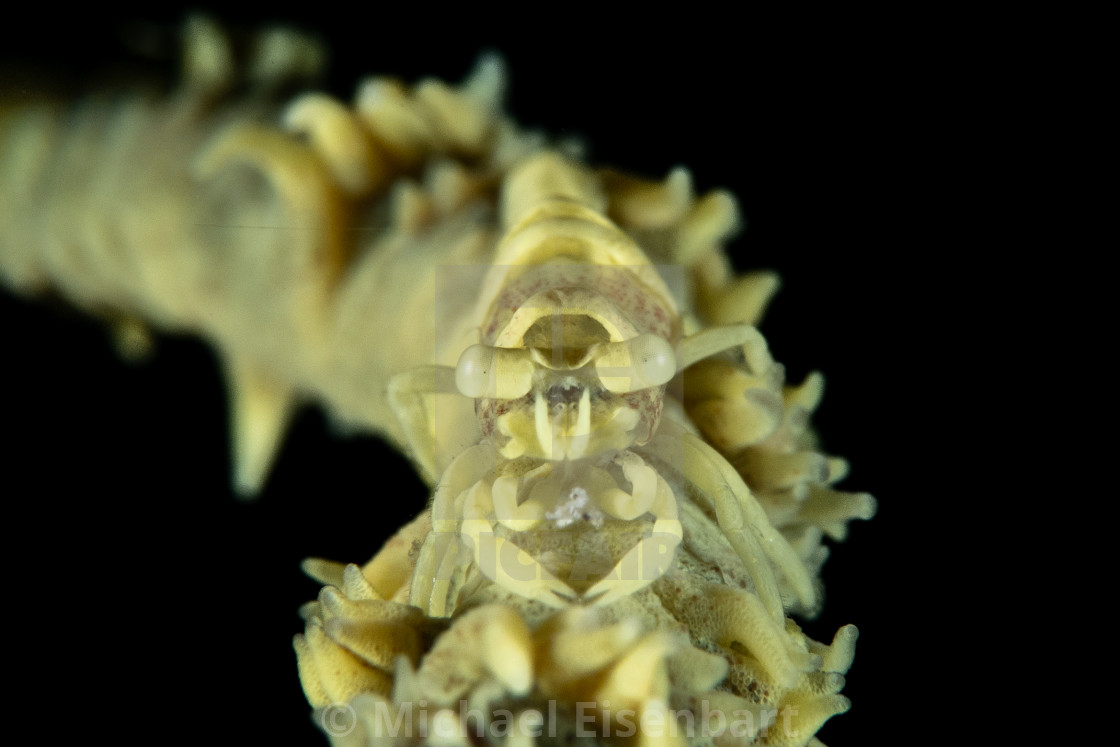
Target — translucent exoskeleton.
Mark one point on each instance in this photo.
(578, 338)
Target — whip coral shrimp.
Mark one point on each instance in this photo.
(579, 338)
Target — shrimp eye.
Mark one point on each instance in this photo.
(639, 363)
(495, 373)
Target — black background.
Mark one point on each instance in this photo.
(150, 600)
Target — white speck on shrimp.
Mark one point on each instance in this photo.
(577, 507)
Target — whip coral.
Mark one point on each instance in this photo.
(628, 501)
